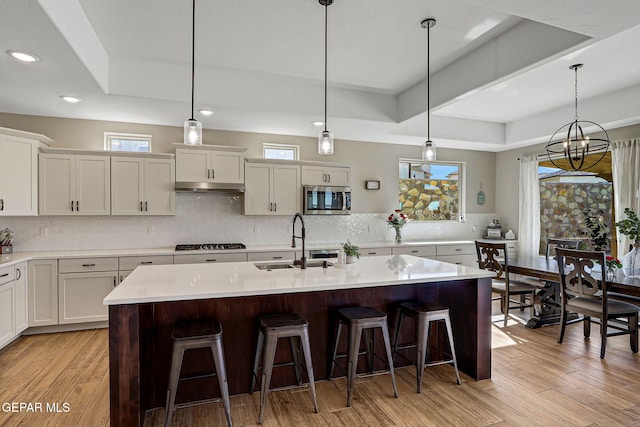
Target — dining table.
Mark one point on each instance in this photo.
(546, 269)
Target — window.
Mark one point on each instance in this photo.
(431, 191)
(280, 151)
(127, 142)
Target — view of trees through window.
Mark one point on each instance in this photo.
(431, 191)
(567, 200)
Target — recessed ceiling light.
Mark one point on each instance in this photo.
(71, 99)
(23, 56)
(205, 112)
(317, 123)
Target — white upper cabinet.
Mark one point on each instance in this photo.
(326, 175)
(142, 186)
(272, 189)
(73, 184)
(214, 163)
(19, 172)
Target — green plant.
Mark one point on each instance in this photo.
(350, 249)
(630, 226)
(597, 228)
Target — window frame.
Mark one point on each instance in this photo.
(462, 188)
(275, 146)
(108, 136)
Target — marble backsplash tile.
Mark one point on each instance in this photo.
(209, 218)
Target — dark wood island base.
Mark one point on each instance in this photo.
(140, 343)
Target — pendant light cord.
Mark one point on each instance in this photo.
(193, 54)
(576, 92)
(326, 14)
(428, 88)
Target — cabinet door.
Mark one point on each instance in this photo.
(339, 176)
(193, 165)
(428, 251)
(286, 189)
(466, 260)
(7, 322)
(314, 175)
(18, 176)
(209, 258)
(375, 251)
(227, 167)
(127, 186)
(258, 185)
(21, 305)
(160, 181)
(43, 292)
(93, 185)
(81, 294)
(57, 184)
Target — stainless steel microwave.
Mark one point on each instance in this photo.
(327, 200)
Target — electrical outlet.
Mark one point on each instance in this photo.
(44, 231)
(151, 230)
(474, 228)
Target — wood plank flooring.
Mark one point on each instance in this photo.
(536, 382)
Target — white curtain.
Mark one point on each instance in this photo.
(625, 166)
(529, 207)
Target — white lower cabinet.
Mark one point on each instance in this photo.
(458, 253)
(22, 298)
(421, 251)
(209, 258)
(375, 251)
(43, 292)
(7, 303)
(271, 256)
(81, 294)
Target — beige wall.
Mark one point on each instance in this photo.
(369, 161)
(508, 174)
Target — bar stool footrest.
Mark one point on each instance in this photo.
(441, 362)
(198, 403)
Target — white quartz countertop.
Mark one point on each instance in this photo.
(160, 283)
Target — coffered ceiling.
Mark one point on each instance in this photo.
(499, 68)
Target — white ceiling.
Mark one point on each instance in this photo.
(499, 68)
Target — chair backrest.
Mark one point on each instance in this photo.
(552, 244)
(582, 273)
(488, 254)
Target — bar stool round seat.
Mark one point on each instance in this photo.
(188, 335)
(271, 328)
(424, 314)
(357, 320)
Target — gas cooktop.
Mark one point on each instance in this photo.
(210, 246)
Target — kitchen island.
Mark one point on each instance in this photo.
(143, 309)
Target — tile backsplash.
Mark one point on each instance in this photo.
(209, 218)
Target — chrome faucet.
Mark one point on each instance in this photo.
(303, 260)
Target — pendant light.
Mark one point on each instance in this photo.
(429, 147)
(577, 151)
(192, 127)
(325, 139)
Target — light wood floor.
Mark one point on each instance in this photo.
(535, 382)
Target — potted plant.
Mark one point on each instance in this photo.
(351, 251)
(631, 227)
(597, 228)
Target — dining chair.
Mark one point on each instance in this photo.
(584, 291)
(488, 254)
(553, 243)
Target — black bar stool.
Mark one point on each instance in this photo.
(190, 335)
(272, 327)
(423, 314)
(357, 320)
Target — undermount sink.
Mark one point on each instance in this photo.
(268, 266)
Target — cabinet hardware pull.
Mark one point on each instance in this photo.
(77, 206)
(208, 173)
(329, 175)
(115, 281)
(72, 206)
(275, 207)
(459, 263)
(140, 206)
(213, 174)
(277, 257)
(88, 265)
(121, 278)
(270, 207)
(19, 274)
(371, 253)
(146, 262)
(458, 249)
(414, 252)
(146, 206)
(4, 275)
(211, 260)
(1, 204)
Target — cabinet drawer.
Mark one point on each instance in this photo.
(210, 258)
(82, 265)
(461, 249)
(466, 260)
(512, 247)
(423, 251)
(131, 262)
(375, 251)
(7, 274)
(271, 256)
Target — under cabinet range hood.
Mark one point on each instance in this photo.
(209, 187)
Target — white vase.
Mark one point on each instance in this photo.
(351, 259)
(631, 262)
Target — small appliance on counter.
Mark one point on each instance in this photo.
(494, 230)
